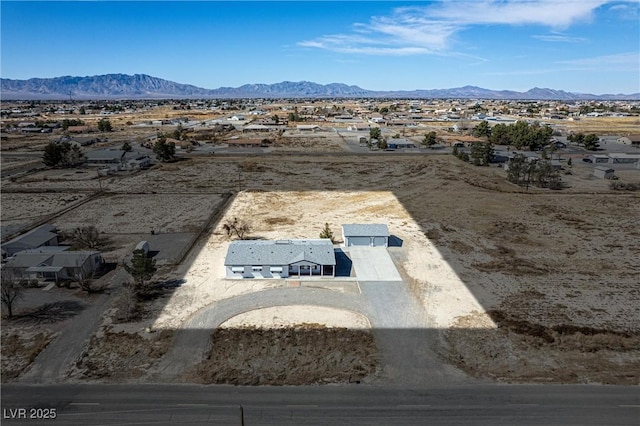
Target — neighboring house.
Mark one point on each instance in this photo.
(615, 158)
(374, 235)
(44, 235)
(400, 144)
(359, 128)
(603, 172)
(633, 140)
(256, 128)
(237, 118)
(307, 127)
(56, 264)
(598, 158)
(280, 259)
(117, 159)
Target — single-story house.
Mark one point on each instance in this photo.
(615, 158)
(374, 235)
(307, 127)
(633, 140)
(280, 259)
(117, 159)
(44, 235)
(603, 172)
(598, 158)
(256, 128)
(359, 128)
(400, 144)
(54, 264)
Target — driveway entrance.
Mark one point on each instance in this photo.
(373, 264)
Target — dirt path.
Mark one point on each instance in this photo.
(53, 363)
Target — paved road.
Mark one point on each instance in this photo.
(325, 405)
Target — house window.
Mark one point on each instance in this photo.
(304, 267)
(237, 269)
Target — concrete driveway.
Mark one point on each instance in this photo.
(373, 264)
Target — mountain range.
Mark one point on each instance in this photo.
(141, 86)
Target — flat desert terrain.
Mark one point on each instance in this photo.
(518, 286)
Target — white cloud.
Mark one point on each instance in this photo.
(618, 62)
(558, 38)
(430, 29)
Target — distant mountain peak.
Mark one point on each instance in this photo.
(143, 86)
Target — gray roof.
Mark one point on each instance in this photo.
(56, 259)
(105, 155)
(34, 238)
(283, 252)
(365, 230)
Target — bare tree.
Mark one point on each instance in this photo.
(128, 303)
(87, 282)
(10, 289)
(235, 226)
(87, 237)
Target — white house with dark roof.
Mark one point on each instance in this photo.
(373, 235)
(280, 259)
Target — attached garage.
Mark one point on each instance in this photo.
(369, 235)
(358, 241)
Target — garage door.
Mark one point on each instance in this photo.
(359, 241)
(380, 241)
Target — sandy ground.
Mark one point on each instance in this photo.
(291, 316)
(473, 244)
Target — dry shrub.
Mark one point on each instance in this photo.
(279, 221)
(18, 352)
(307, 354)
(251, 167)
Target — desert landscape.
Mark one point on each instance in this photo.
(515, 285)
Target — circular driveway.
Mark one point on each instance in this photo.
(192, 341)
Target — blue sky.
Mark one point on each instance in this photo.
(576, 45)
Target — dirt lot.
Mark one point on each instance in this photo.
(561, 265)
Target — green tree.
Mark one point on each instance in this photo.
(482, 130)
(591, 142)
(500, 135)
(382, 144)
(53, 154)
(62, 155)
(141, 269)
(327, 233)
(374, 133)
(517, 171)
(104, 125)
(481, 153)
(126, 147)
(430, 139)
(165, 151)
